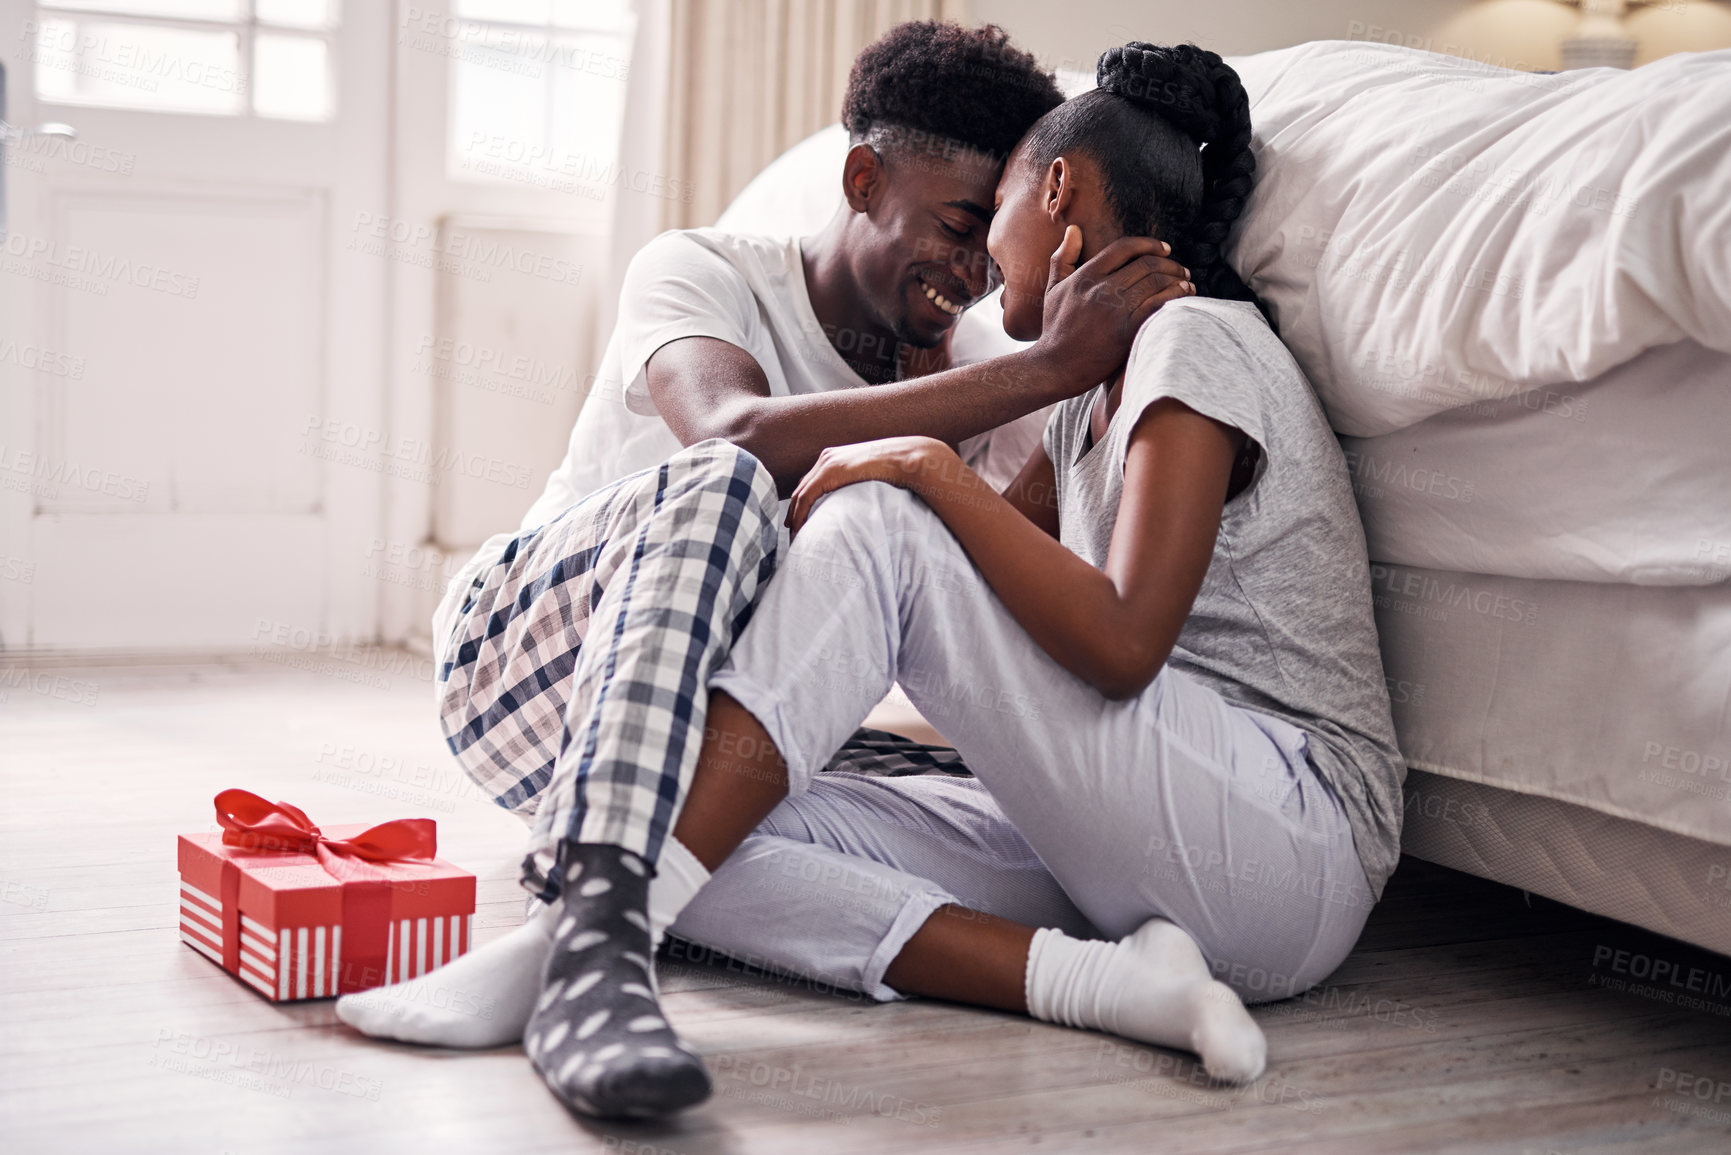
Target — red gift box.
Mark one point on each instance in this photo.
(300, 913)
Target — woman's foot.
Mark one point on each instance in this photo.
(1152, 986)
(482, 999)
(597, 1034)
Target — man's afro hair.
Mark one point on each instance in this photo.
(968, 84)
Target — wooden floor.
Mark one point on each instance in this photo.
(1468, 1020)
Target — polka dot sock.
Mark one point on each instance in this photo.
(597, 1034)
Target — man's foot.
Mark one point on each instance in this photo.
(482, 999)
(597, 1034)
(1154, 987)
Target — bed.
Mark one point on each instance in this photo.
(1516, 309)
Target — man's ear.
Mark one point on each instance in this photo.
(862, 177)
(1059, 190)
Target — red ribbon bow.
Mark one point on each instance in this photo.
(252, 823)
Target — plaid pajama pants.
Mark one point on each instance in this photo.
(574, 659)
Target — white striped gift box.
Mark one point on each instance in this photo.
(303, 962)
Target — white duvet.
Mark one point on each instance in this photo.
(1434, 232)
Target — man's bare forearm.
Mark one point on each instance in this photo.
(787, 433)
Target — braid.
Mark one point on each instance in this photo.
(1199, 94)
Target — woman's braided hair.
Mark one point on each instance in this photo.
(1170, 128)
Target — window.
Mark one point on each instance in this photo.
(268, 58)
(537, 90)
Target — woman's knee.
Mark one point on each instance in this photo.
(886, 520)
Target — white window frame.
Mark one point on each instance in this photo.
(247, 28)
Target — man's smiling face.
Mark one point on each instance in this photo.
(924, 257)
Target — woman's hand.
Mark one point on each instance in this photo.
(909, 462)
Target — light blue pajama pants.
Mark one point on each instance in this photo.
(1175, 804)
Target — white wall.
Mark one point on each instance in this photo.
(1513, 33)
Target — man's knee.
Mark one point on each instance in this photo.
(717, 462)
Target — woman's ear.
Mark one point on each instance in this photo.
(862, 175)
(1059, 191)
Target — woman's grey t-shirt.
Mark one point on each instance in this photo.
(1282, 624)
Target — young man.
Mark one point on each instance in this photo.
(574, 655)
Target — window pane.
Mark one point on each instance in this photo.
(138, 66)
(509, 11)
(186, 9)
(593, 15)
(291, 77)
(583, 15)
(298, 13)
(536, 110)
(497, 88)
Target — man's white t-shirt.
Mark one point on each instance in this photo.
(745, 290)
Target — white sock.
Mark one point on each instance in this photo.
(1153, 987)
(482, 999)
(678, 878)
(485, 998)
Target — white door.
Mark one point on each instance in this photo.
(194, 435)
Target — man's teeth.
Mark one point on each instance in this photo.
(942, 302)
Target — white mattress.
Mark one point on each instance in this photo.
(1621, 479)
(1616, 698)
(1611, 866)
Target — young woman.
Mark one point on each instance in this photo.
(1166, 680)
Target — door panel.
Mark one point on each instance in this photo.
(188, 274)
(202, 381)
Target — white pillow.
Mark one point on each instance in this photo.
(1433, 232)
